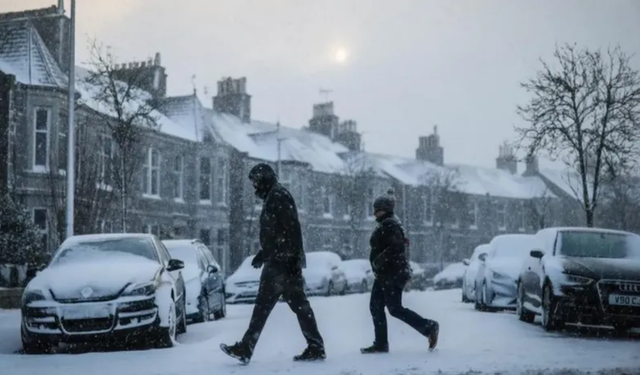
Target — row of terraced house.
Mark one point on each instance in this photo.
(193, 173)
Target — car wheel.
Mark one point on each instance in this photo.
(182, 322)
(523, 314)
(464, 296)
(364, 287)
(204, 312)
(549, 304)
(167, 335)
(478, 300)
(33, 347)
(485, 297)
(222, 312)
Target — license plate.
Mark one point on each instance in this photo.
(622, 300)
(86, 311)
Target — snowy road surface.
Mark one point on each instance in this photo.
(470, 342)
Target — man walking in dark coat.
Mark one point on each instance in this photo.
(282, 255)
(392, 271)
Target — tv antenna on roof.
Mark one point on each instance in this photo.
(193, 83)
(325, 93)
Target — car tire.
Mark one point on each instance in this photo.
(485, 297)
(522, 313)
(222, 312)
(33, 347)
(167, 335)
(464, 296)
(182, 322)
(204, 312)
(478, 300)
(550, 322)
(364, 287)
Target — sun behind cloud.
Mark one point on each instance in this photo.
(341, 55)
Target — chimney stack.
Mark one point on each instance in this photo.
(506, 159)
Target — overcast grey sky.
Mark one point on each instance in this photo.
(409, 64)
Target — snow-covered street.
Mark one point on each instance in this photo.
(470, 342)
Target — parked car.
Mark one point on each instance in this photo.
(242, 285)
(582, 275)
(497, 275)
(323, 275)
(105, 287)
(419, 280)
(204, 283)
(469, 277)
(450, 277)
(359, 275)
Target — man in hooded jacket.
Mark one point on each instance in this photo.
(282, 258)
(392, 271)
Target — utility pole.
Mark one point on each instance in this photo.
(71, 149)
(279, 139)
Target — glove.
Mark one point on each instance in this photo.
(257, 261)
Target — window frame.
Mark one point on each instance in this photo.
(47, 154)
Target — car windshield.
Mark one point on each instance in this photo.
(513, 247)
(184, 253)
(600, 245)
(89, 250)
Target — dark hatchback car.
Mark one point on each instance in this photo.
(582, 275)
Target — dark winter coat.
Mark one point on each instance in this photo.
(280, 232)
(388, 249)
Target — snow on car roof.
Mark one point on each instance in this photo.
(103, 236)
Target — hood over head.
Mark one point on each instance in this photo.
(263, 178)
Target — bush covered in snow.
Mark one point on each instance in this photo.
(20, 240)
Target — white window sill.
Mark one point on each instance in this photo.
(346, 217)
(39, 169)
(150, 196)
(473, 227)
(521, 230)
(428, 223)
(178, 200)
(205, 202)
(455, 226)
(502, 229)
(327, 216)
(105, 187)
(222, 204)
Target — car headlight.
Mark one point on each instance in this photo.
(578, 279)
(32, 295)
(142, 289)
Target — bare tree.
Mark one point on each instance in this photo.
(353, 190)
(445, 203)
(620, 201)
(540, 209)
(587, 112)
(128, 112)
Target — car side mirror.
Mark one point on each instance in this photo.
(537, 253)
(482, 257)
(174, 265)
(212, 269)
(32, 272)
(465, 262)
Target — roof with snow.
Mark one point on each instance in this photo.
(24, 55)
(188, 112)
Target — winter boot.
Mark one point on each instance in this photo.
(375, 348)
(310, 354)
(433, 336)
(238, 351)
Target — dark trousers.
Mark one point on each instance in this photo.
(274, 283)
(389, 293)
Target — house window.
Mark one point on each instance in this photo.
(205, 179)
(221, 242)
(222, 182)
(151, 174)
(178, 177)
(369, 202)
(502, 216)
(41, 139)
(42, 224)
(62, 147)
(152, 229)
(428, 207)
(522, 216)
(327, 202)
(300, 202)
(473, 215)
(106, 226)
(105, 158)
(205, 236)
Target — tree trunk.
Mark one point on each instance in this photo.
(589, 214)
(123, 192)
